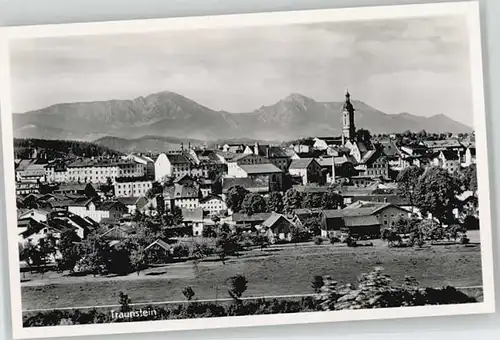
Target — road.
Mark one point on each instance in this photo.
(185, 301)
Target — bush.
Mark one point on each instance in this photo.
(318, 241)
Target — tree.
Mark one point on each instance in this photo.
(363, 135)
(332, 200)
(226, 244)
(96, 255)
(275, 203)
(69, 250)
(407, 180)
(317, 283)
(312, 224)
(156, 189)
(261, 240)
(188, 293)
(253, 204)
(124, 302)
(469, 178)
(138, 259)
(436, 192)
(292, 200)
(31, 255)
(235, 196)
(237, 286)
(312, 200)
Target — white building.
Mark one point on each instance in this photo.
(213, 204)
(132, 187)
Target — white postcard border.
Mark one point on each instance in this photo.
(469, 9)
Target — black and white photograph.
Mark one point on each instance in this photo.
(285, 167)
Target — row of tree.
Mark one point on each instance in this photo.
(241, 200)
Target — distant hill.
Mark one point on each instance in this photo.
(167, 114)
(146, 143)
(54, 148)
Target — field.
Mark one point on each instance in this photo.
(283, 270)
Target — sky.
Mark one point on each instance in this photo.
(420, 66)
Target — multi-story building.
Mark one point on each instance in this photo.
(132, 187)
(213, 204)
(56, 172)
(184, 196)
(99, 170)
(177, 165)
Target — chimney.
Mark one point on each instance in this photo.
(189, 146)
(182, 146)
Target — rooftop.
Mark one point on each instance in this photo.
(260, 168)
(301, 163)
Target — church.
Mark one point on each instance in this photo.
(370, 161)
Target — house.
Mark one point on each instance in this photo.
(132, 187)
(278, 227)
(213, 204)
(249, 222)
(133, 204)
(82, 226)
(117, 233)
(76, 189)
(182, 196)
(308, 169)
(101, 170)
(441, 145)
(335, 223)
(194, 219)
(37, 232)
(275, 154)
(323, 143)
(373, 164)
(328, 168)
(303, 146)
(159, 251)
(56, 172)
(300, 216)
(85, 207)
(226, 157)
(149, 165)
(177, 165)
(233, 166)
(448, 160)
(35, 214)
(386, 213)
(233, 147)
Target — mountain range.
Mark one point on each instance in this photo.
(170, 115)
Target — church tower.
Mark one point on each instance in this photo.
(348, 128)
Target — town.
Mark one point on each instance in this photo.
(112, 213)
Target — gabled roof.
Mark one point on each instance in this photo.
(228, 156)
(299, 164)
(79, 202)
(276, 152)
(177, 158)
(333, 213)
(178, 191)
(271, 220)
(260, 168)
(39, 211)
(159, 243)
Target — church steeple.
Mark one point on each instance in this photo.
(348, 128)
